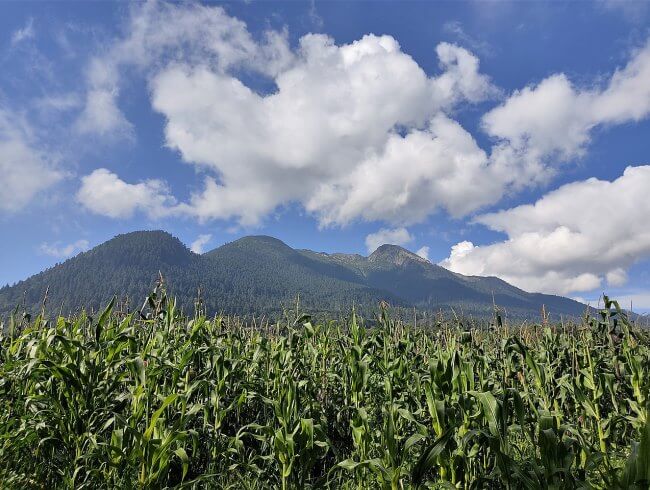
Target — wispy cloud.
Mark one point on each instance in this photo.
(314, 17)
(26, 168)
(24, 33)
(58, 102)
(63, 251)
(635, 12)
(455, 29)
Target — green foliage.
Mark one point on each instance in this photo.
(259, 275)
(158, 400)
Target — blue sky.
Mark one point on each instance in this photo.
(495, 138)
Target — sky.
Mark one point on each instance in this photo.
(493, 138)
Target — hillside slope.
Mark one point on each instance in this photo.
(432, 287)
(251, 276)
(260, 275)
(127, 266)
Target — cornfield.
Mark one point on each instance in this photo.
(153, 399)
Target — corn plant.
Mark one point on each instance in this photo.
(156, 399)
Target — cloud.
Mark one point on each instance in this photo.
(24, 33)
(396, 236)
(103, 192)
(411, 177)
(398, 161)
(455, 28)
(57, 103)
(635, 12)
(461, 250)
(554, 119)
(314, 17)
(616, 277)
(570, 240)
(423, 252)
(158, 33)
(64, 251)
(460, 78)
(101, 115)
(201, 241)
(634, 299)
(328, 95)
(26, 169)
(638, 301)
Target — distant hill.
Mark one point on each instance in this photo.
(261, 275)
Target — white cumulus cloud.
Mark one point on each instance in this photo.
(199, 244)
(329, 97)
(423, 252)
(395, 236)
(104, 193)
(555, 118)
(570, 240)
(352, 131)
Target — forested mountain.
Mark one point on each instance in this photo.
(260, 275)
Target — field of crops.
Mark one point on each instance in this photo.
(156, 400)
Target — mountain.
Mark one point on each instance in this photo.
(430, 287)
(261, 275)
(126, 265)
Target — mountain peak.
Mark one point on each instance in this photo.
(140, 234)
(396, 255)
(146, 246)
(263, 240)
(154, 239)
(260, 274)
(256, 244)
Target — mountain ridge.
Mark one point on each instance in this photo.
(262, 275)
